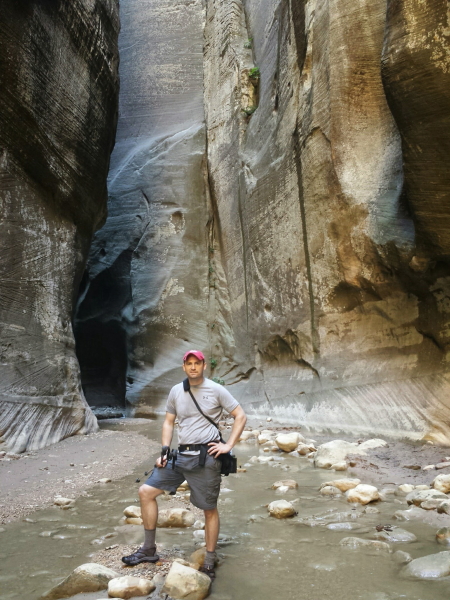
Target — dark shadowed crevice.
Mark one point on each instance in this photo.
(101, 334)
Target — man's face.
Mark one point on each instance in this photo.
(193, 367)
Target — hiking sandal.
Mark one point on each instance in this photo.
(208, 570)
(140, 556)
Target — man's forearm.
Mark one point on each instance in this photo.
(237, 429)
(167, 434)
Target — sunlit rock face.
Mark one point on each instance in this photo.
(258, 211)
(58, 105)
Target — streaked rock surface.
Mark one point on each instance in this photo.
(263, 216)
(58, 108)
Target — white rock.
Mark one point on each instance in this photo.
(133, 511)
(183, 487)
(186, 583)
(416, 497)
(265, 437)
(442, 483)
(422, 487)
(429, 468)
(373, 443)
(433, 566)
(175, 517)
(334, 452)
(134, 521)
(130, 587)
(340, 466)
(443, 536)
(355, 543)
(287, 442)
(283, 489)
(289, 483)
(404, 489)
(265, 459)
(199, 534)
(397, 535)
(60, 501)
(281, 509)
(199, 525)
(343, 484)
(89, 577)
(303, 449)
(444, 507)
(363, 494)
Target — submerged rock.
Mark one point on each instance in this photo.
(281, 509)
(130, 587)
(330, 490)
(90, 577)
(433, 566)
(289, 483)
(186, 583)
(443, 536)
(397, 535)
(343, 484)
(355, 543)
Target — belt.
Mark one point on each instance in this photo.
(190, 447)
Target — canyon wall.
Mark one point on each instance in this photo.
(279, 198)
(58, 109)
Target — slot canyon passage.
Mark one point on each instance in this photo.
(267, 181)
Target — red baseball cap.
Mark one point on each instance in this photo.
(195, 353)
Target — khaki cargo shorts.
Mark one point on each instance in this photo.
(203, 481)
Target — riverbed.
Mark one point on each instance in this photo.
(262, 558)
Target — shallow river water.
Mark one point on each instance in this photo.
(264, 558)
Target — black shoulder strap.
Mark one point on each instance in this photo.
(187, 388)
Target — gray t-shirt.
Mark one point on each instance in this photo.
(193, 428)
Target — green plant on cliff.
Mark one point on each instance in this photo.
(254, 73)
(249, 110)
(213, 363)
(217, 380)
(248, 45)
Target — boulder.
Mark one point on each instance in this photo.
(334, 452)
(132, 511)
(130, 587)
(402, 558)
(343, 484)
(442, 483)
(247, 435)
(416, 497)
(281, 509)
(287, 442)
(304, 449)
(185, 583)
(397, 535)
(134, 521)
(433, 566)
(363, 494)
(89, 577)
(289, 483)
(197, 558)
(443, 536)
(175, 517)
(354, 543)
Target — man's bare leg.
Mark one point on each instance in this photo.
(212, 526)
(149, 513)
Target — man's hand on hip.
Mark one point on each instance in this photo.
(217, 448)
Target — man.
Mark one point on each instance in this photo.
(197, 460)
